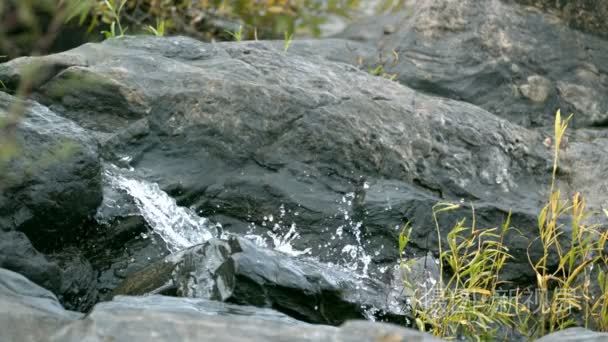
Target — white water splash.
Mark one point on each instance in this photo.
(282, 243)
(280, 237)
(179, 227)
(354, 256)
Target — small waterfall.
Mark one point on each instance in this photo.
(179, 227)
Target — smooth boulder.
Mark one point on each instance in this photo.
(574, 334)
(159, 319)
(28, 312)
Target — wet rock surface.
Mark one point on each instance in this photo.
(53, 184)
(238, 271)
(159, 318)
(17, 254)
(245, 133)
(269, 188)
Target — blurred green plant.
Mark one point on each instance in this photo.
(115, 9)
(287, 41)
(159, 29)
(213, 19)
(236, 35)
(34, 26)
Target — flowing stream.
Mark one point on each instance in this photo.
(180, 227)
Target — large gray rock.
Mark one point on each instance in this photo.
(584, 164)
(243, 131)
(51, 184)
(575, 334)
(161, 319)
(199, 306)
(27, 311)
(49, 190)
(18, 255)
(513, 60)
(30, 313)
(586, 15)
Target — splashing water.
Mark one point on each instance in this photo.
(179, 227)
(354, 256)
(280, 239)
(282, 243)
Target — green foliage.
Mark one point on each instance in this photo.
(236, 35)
(115, 8)
(468, 300)
(203, 18)
(466, 303)
(384, 6)
(32, 26)
(159, 30)
(380, 71)
(287, 41)
(568, 287)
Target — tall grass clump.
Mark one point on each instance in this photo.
(469, 300)
(465, 301)
(570, 286)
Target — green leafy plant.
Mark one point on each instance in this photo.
(236, 35)
(159, 30)
(379, 69)
(287, 41)
(115, 9)
(565, 290)
(466, 301)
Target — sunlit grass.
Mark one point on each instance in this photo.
(468, 300)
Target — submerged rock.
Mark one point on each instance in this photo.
(238, 271)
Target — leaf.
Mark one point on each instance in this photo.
(404, 237)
